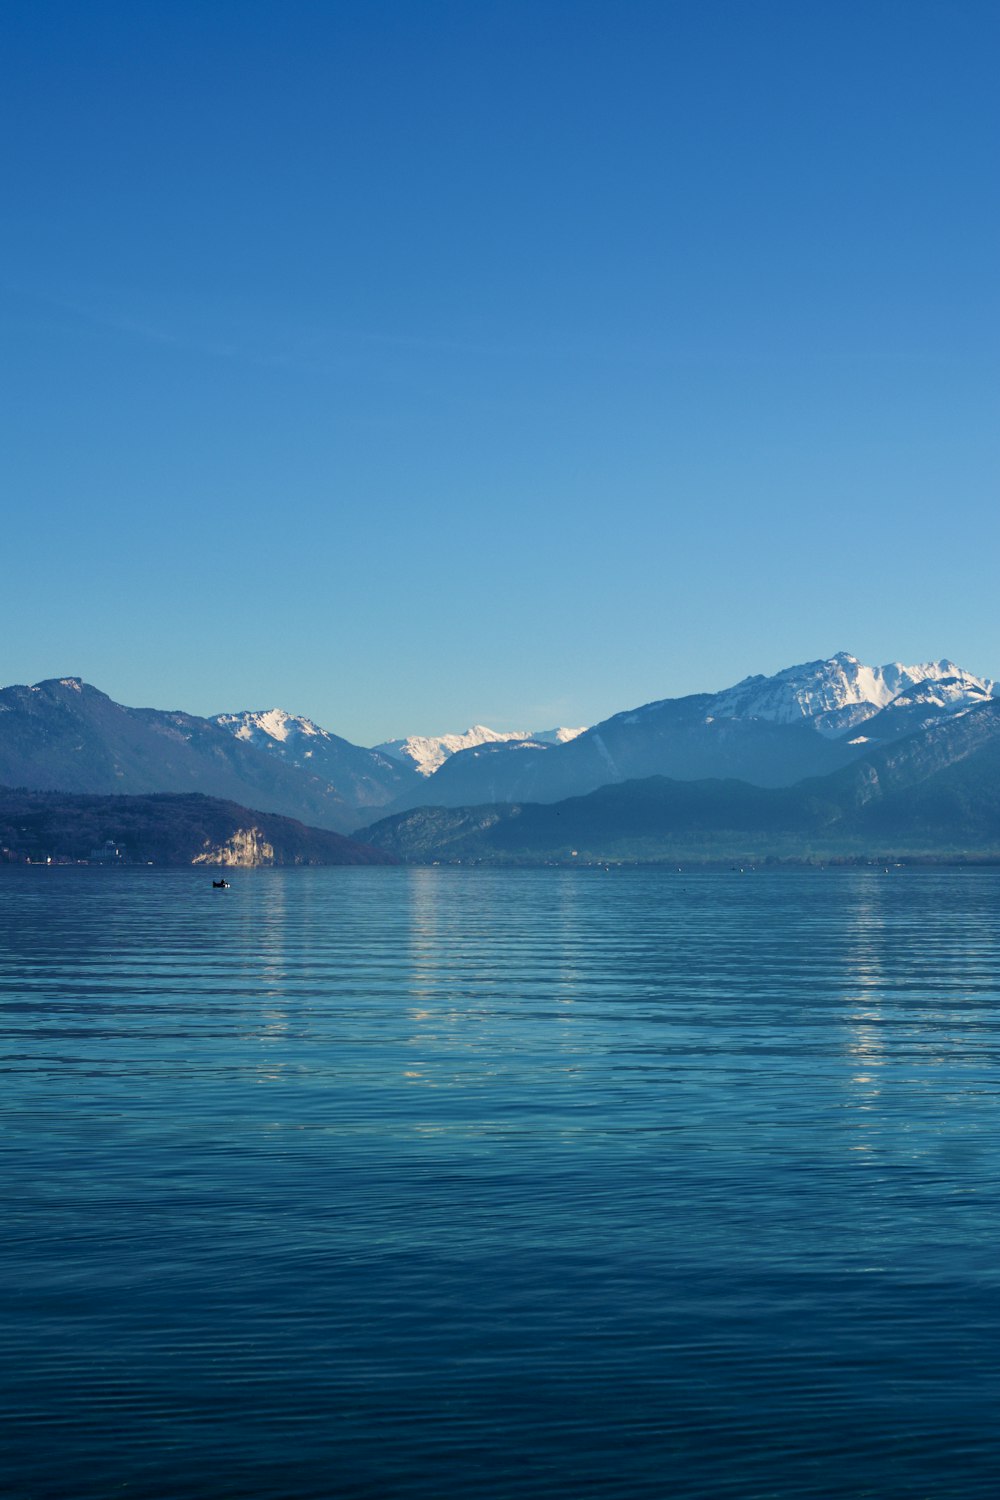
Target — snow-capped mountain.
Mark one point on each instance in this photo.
(807, 720)
(366, 778)
(428, 752)
(841, 692)
(64, 735)
(267, 727)
(938, 791)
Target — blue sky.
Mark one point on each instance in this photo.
(414, 364)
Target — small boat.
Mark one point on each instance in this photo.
(220, 885)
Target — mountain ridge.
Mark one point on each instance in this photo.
(429, 752)
(63, 734)
(771, 731)
(806, 721)
(932, 791)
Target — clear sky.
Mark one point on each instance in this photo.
(410, 363)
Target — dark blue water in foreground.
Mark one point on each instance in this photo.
(436, 1183)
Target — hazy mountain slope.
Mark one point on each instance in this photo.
(945, 777)
(938, 790)
(167, 830)
(677, 738)
(65, 735)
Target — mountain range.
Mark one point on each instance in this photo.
(930, 794)
(429, 752)
(809, 721)
(64, 735)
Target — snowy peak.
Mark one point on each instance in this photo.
(366, 780)
(258, 727)
(301, 740)
(841, 692)
(297, 739)
(946, 692)
(428, 752)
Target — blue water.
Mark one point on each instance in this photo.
(443, 1183)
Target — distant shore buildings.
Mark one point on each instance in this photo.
(109, 853)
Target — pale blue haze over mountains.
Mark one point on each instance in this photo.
(418, 365)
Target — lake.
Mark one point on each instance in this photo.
(462, 1183)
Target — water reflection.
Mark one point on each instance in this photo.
(543, 1183)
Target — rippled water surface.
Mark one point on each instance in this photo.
(441, 1183)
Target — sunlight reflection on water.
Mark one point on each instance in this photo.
(388, 1182)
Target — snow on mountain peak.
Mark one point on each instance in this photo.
(268, 724)
(842, 691)
(273, 728)
(428, 752)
